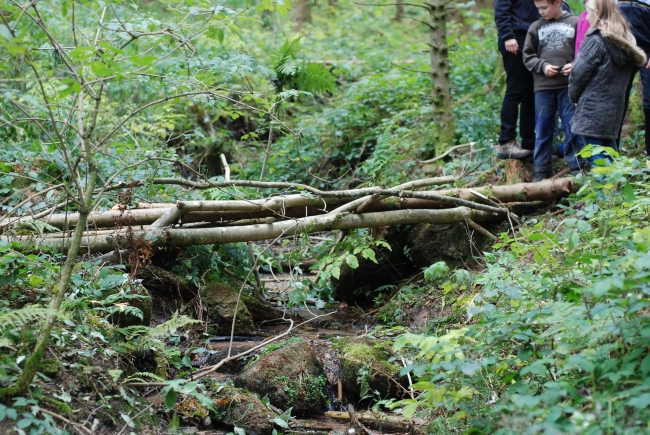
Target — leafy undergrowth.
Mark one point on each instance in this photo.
(555, 331)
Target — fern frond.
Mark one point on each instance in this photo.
(289, 67)
(24, 316)
(34, 225)
(172, 325)
(131, 332)
(383, 154)
(315, 78)
(288, 50)
(143, 377)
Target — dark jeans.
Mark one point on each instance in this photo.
(547, 104)
(603, 143)
(519, 92)
(638, 15)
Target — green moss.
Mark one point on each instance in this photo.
(368, 360)
(220, 299)
(49, 367)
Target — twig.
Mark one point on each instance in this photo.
(481, 230)
(65, 420)
(134, 417)
(449, 151)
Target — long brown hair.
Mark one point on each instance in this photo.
(610, 18)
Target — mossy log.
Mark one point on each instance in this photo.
(383, 422)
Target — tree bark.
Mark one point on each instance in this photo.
(399, 10)
(441, 93)
(204, 236)
(302, 13)
(299, 206)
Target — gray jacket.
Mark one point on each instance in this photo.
(598, 83)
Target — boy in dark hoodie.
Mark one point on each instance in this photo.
(513, 18)
(598, 82)
(549, 51)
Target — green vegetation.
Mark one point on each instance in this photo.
(555, 330)
(548, 332)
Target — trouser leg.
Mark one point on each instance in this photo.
(645, 82)
(519, 92)
(572, 142)
(545, 110)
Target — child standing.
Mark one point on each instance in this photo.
(598, 82)
(548, 52)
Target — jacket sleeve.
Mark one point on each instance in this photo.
(533, 63)
(590, 57)
(504, 18)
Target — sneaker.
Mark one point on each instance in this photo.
(541, 177)
(512, 150)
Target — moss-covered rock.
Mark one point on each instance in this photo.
(290, 376)
(242, 409)
(259, 310)
(365, 368)
(453, 243)
(220, 299)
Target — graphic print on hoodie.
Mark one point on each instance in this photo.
(550, 42)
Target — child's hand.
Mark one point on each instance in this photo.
(567, 69)
(551, 70)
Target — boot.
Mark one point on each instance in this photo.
(512, 150)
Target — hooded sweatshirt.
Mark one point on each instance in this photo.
(514, 17)
(598, 83)
(550, 42)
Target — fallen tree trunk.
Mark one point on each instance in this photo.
(203, 236)
(383, 422)
(295, 206)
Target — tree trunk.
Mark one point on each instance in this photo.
(207, 236)
(302, 13)
(399, 13)
(439, 53)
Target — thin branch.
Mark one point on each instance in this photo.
(412, 70)
(391, 4)
(449, 151)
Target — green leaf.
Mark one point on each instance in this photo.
(645, 366)
(4, 31)
(369, 254)
(170, 398)
(280, 422)
(641, 402)
(628, 193)
(352, 261)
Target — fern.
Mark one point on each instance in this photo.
(143, 377)
(172, 325)
(303, 76)
(34, 225)
(315, 78)
(24, 316)
(384, 154)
